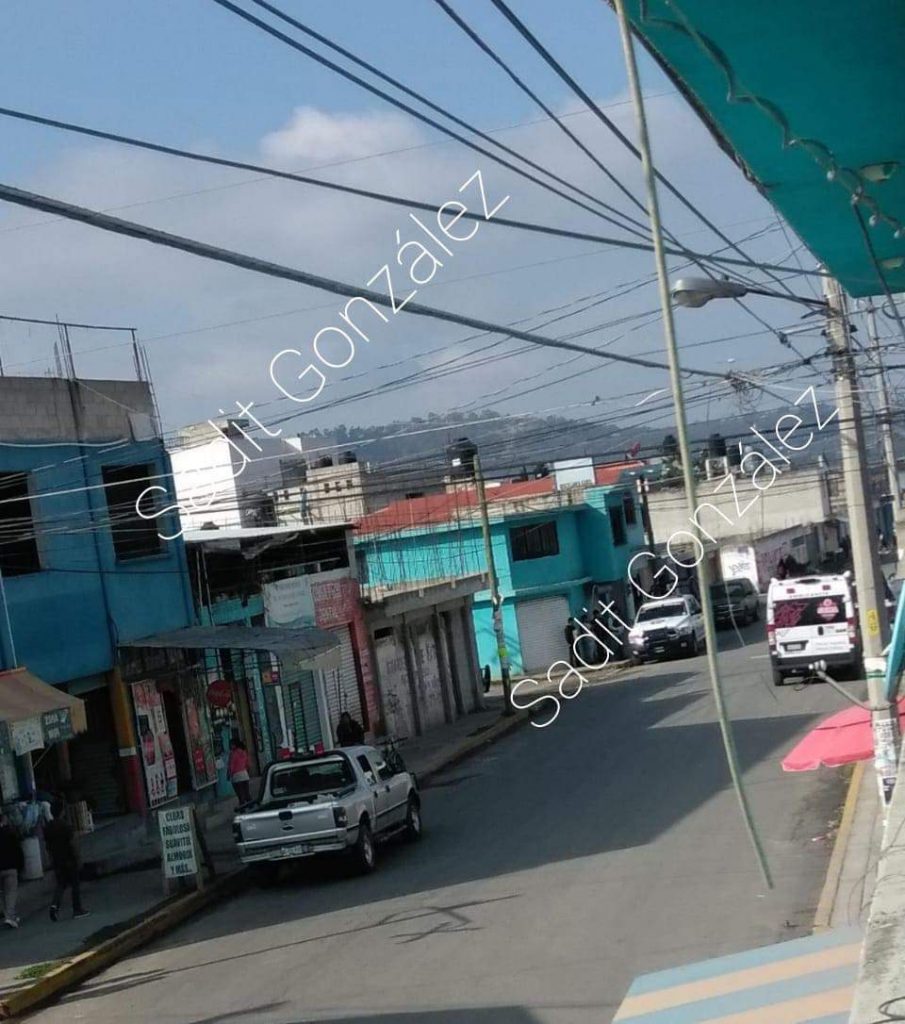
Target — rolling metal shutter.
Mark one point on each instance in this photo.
(541, 631)
(343, 693)
(300, 704)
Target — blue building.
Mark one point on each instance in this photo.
(83, 572)
(556, 549)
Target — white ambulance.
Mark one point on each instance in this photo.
(809, 619)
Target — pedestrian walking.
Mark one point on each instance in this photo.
(12, 860)
(238, 771)
(349, 732)
(486, 678)
(60, 841)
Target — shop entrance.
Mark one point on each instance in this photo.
(173, 710)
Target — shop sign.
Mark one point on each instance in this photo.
(57, 725)
(220, 693)
(197, 733)
(288, 602)
(178, 842)
(154, 741)
(26, 735)
(335, 602)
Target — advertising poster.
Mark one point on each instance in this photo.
(154, 743)
(197, 732)
(288, 602)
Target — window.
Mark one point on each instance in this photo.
(133, 536)
(327, 487)
(384, 771)
(628, 509)
(538, 541)
(311, 779)
(617, 524)
(365, 766)
(348, 485)
(18, 547)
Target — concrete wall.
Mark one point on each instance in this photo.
(68, 617)
(41, 409)
(794, 499)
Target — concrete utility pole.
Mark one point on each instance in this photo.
(871, 593)
(495, 599)
(675, 373)
(889, 448)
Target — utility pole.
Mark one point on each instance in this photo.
(495, 600)
(871, 594)
(675, 373)
(889, 448)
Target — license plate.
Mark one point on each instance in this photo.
(297, 850)
(794, 647)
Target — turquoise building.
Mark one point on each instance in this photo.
(554, 550)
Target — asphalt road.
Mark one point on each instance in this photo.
(554, 868)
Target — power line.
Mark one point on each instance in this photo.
(374, 90)
(130, 229)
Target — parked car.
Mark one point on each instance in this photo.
(341, 802)
(667, 628)
(735, 602)
(809, 619)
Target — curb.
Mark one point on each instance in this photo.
(830, 889)
(501, 728)
(84, 965)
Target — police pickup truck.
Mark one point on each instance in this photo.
(342, 801)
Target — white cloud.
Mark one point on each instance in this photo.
(315, 136)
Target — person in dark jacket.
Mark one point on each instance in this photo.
(486, 678)
(60, 841)
(349, 733)
(12, 861)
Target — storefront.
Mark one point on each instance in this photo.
(196, 689)
(172, 722)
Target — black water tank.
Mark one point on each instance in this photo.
(347, 458)
(324, 462)
(460, 456)
(716, 446)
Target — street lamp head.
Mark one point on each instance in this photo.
(694, 292)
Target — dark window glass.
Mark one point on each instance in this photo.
(617, 524)
(133, 536)
(18, 547)
(310, 779)
(661, 611)
(629, 509)
(538, 541)
(809, 611)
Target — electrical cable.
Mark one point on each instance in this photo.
(374, 90)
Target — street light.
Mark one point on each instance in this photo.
(694, 292)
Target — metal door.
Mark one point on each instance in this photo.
(341, 684)
(541, 632)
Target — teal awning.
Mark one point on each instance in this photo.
(804, 95)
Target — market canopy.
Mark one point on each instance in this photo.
(310, 646)
(807, 99)
(803, 981)
(34, 714)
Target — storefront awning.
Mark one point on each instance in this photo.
(804, 981)
(306, 647)
(34, 714)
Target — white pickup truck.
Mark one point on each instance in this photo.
(341, 801)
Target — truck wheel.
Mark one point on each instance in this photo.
(778, 678)
(755, 615)
(413, 825)
(365, 853)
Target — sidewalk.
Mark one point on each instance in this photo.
(852, 874)
(128, 849)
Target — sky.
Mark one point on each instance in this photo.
(189, 73)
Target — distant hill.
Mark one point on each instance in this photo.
(511, 444)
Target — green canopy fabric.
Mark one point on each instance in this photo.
(807, 96)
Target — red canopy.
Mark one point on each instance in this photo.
(840, 739)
